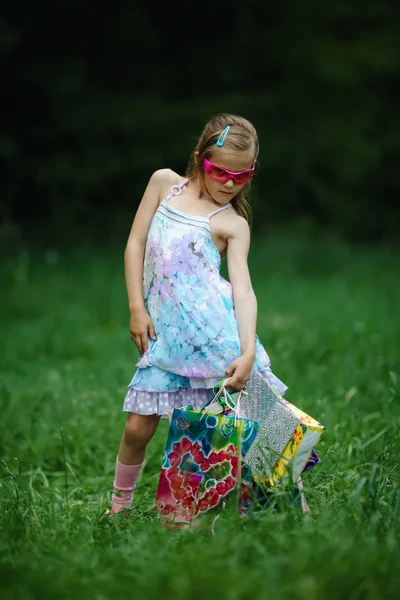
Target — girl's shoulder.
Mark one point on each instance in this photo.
(233, 229)
(234, 223)
(167, 175)
(164, 179)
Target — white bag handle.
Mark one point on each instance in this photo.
(236, 407)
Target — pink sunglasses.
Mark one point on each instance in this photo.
(223, 175)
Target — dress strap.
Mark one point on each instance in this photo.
(176, 189)
(219, 209)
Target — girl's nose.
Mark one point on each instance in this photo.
(229, 184)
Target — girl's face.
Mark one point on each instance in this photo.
(232, 160)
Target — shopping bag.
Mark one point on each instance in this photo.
(287, 436)
(299, 453)
(277, 424)
(229, 404)
(201, 467)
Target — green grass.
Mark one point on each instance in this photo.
(328, 317)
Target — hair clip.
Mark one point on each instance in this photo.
(221, 139)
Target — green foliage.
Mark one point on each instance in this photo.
(328, 316)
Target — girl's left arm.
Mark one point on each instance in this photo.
(245, 303)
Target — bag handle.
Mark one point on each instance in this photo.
(236, 406)
(227, 400)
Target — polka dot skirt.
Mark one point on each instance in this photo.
(159, 403)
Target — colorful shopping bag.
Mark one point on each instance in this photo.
(201, 468)
(287, 436)
(251, 492)
(277, 424)
(300, 448)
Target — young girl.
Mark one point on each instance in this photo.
(191, 326)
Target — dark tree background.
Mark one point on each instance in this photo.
(98, 96)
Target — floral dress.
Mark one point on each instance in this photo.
(192, 309)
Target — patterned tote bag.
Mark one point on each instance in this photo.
(202, 465)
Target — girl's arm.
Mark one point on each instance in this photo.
(244, 300)
(140, 322)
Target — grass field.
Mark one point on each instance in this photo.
(329, 319)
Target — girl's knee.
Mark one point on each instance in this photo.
(138, 432)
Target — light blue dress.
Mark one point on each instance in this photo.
(192, 309)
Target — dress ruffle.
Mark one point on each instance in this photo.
(153, 379)
(273, 380)
(145, 402)
(265, 372)
(159, 403)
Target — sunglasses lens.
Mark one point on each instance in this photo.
(217, 174)
(221, 175)
(243, 177)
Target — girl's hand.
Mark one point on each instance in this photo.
(241, 367)
(140, 327)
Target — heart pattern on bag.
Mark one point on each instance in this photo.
(227, 430)
(182, 423)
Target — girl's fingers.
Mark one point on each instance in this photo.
(226, 382)
(235, 384)
(152, 332)
(141, 341)
(144, 342)
(230, 369)
(232, 384)
(138, 342)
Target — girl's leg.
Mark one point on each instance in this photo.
(139, 429)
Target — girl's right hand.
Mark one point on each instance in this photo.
(140, 327)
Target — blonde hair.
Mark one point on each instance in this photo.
(241, 137)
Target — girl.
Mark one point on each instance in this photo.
(191, 326)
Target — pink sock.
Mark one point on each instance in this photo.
(124, 485)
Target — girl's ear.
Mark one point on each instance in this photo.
(196, 156)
